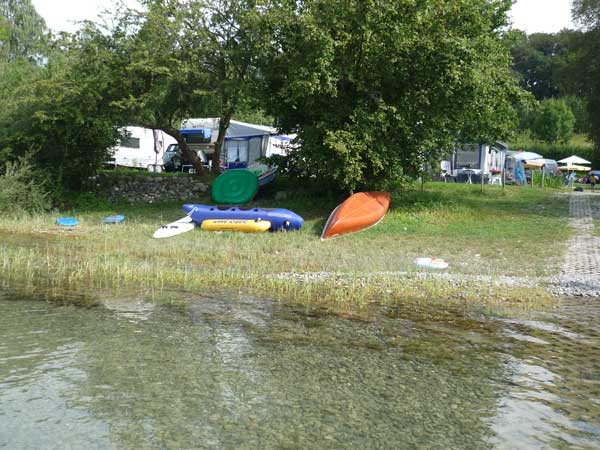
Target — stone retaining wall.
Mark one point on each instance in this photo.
(138, 188)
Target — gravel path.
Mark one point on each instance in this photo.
(580, 274)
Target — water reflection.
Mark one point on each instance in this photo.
(247, 373)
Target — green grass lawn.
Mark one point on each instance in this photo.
(515, 231)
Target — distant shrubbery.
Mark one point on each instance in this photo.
(21, 190)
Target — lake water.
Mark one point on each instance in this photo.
(218, 373)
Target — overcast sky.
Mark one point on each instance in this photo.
(532, 16)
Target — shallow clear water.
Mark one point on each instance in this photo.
(228, 374)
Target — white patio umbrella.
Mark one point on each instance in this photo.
(574, 160)
(575, 168)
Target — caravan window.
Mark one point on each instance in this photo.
(237, 151)
(468, 157)
(199, 136)
(130, 142)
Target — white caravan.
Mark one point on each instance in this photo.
(141, 148)
(472, 161)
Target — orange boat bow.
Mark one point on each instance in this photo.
(360, 211)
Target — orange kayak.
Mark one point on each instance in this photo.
(357, 212)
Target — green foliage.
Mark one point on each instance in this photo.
(587, 11)
(553, 121)
(174, 61)
(579, 107)
(375, 89)
(228, 41)
(85, 201)
(535, 60)
(56, 118)
(22, 31)
(50, 112)
(552, 66)
(550, 180)
(21, 190)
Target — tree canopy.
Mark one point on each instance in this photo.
(587, 12)
(554, 121)
(22, 30)
(145, 66)
(376, 88)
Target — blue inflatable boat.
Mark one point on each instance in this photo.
(281, 219)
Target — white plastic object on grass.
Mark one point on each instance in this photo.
(180, 226)
(431, 263)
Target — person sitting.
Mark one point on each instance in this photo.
(510, 176)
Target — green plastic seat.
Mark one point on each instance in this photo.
(234, 187)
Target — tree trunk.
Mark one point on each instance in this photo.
(186, 152)
(224, 121)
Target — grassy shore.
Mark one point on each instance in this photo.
(512, 232)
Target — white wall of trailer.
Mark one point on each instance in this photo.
(137, 149)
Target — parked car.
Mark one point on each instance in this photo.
(173, 160)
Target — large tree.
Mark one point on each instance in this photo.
(544, 62)
(48, 114)
(22, 30)
(175, 60)
(227, 37)
(57, 121)
(375, 88)
(145, 65)
(587, 12)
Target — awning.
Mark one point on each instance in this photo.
(535, 164)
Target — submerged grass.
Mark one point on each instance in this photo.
(514, 232)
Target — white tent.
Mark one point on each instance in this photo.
(573, 160)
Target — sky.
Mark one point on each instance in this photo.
(532, 16)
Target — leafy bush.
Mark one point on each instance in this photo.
(579, 106)
(553, 121)
(21, 190)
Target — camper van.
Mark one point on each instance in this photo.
(244, 143)
(141, 148)
(469, 162)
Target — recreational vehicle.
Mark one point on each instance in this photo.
(141, 148)
(244, 143)
(472, 161)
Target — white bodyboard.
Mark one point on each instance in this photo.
(180, 226)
